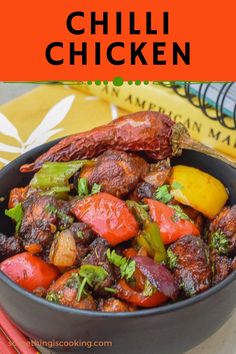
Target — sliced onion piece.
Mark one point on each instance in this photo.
(158, 275)
(63, 252)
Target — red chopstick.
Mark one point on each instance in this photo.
(16, 338)
(6, 346)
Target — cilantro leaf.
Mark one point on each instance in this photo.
(219, 241)
(93, 274)
(80, 234)
(52, 296)
(179, 214)
(96, 188)
(162, 194)
(127, 266)
(16, 214)
(172, 259)
(66, 219)
(83, 190)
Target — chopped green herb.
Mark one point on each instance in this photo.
(179, 214)
(139, 211)
(93, 274)
(172, 259)
(162, 194)
(80, 234)
(50, 208)
(81, 289)
(66, 219)
(76, 282)
(149, 289)
(96, 188)
(176, 185)
(16, 214)
(182, 285)
(83, 190)
(127, 266)
(111, 290)
(52, 296)
(219, 241)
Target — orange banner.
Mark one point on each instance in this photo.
(100, 40)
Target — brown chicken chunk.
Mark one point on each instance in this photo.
(9, 246)
(222, 231)
(141, 191)
(188, 257)
(221, 267)
(158, 173)
(39, 222)
(65, 292)
(83, 236)
(114, 305)
(117, 172)
(43, 216)
(17, 195)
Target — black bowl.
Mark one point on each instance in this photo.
(167, 329)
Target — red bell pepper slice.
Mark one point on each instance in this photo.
(125, 292)
(108, 216)
(170, 229)
(29, 271)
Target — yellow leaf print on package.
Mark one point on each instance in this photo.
(47, 113)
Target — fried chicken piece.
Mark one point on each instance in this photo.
(65, 292)
(83, 236)
(222, 232)
(117, 172)
(43, 216)
(188, 257)
(39, 222)
(17, 195)
(221, 267)
(82, 233)
(114, 305)
(64, 216)
(141, 191)
(158, 173)
(9, 246)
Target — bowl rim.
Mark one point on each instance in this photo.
(97, 314)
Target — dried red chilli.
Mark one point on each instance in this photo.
(153, 133)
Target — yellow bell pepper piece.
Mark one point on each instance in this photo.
(198, 189)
